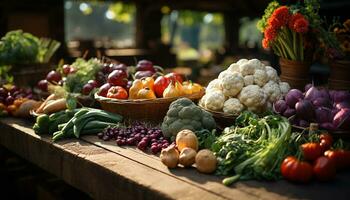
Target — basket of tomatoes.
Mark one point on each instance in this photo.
(147, 98)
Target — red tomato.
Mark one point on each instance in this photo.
(340, 157)
(174, 77)
(117, 92)
(311, 151)
(326, 141)
(324, 168)
(293, 169)
(160, 84)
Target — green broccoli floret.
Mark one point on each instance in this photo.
(184, 114)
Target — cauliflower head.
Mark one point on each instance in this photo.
(234, 67)
(247, 69)
(224, 74)
(213, 85)
(184, 114)
(214, 100)
(242, 61)
(272, 74)
(233, 84)
(284, 87)
(273, 91)
(233, 106)
(257, 64)
(252, 96)
(260, 77)
(248, 80)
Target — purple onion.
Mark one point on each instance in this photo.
(313, 93)
(307, 87)
(323, 115)
(304, 123)
(293, 96)
(342, 119)
(289, 112)
(305, 110)
(327, 126)
(341, 105)
(280, 106)
(322, 102)
(339, 96)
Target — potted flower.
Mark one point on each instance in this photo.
(288, 33)
(337, 48)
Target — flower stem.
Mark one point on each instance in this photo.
(301, 43)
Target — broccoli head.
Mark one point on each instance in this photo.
(184, 114)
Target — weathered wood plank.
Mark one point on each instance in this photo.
(340, 187)
(96, 171)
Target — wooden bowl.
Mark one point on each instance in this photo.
(222, 119)
(147, 110)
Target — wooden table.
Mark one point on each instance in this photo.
(105, 171)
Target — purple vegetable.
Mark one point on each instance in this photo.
(341, 105)
(313, 93)
(293, 96)
(304, 123)
(322, 102)
(323, 115)
(289, 112)
(280, 106)
(342, 119)
(328, 126)
(142, 74)
(307, 87)
(305, 110)
(339, 96)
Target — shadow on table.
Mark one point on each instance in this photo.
(339, 188)
(192, 174)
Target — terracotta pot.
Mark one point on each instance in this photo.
(295, 73)
(29, 74)
(339, 78)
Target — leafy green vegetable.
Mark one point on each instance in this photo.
(206, 138)
(262, 23)
(85, 71)
(20, 47)
(255, 148)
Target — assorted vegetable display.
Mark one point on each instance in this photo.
(260, 142)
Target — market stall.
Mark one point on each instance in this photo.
(142, 132)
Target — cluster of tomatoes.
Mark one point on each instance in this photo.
(320, 161)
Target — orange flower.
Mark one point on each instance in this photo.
(281, 15)
(270, 33)
(301, 25)
(294, 18)
(265, 43)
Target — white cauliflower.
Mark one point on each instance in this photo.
(273, 91)
(252, 96)
(213, 85)
(233, 106)
(214, 100)
(257, 64)
(224, 74)
(246, 69)
(284, 87)
(248, 80)
(260, 77)
(272, 74)
(232, 85)
(242, 61)
(233, 68)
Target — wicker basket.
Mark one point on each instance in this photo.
(222, 119)
(148, 110)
